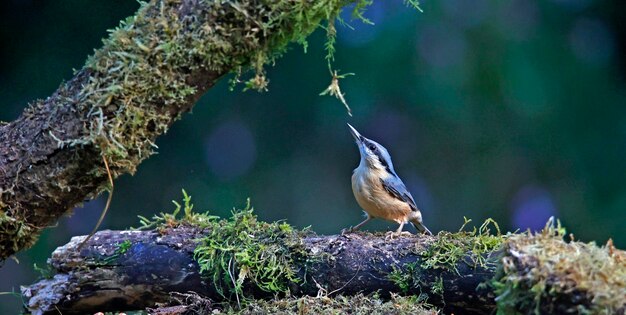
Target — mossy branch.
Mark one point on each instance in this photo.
(149, 71)
(237, 262)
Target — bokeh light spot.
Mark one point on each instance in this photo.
(574, 4)
(591, 41)
(466, 13)
(441, 46)
(230, 150)
(518, 19)
(532, 206)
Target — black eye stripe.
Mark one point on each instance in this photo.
(371, 146)
(376, 151)
(383, 161)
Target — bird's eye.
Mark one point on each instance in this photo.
(372, 147)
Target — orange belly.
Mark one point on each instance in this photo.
(375, 200)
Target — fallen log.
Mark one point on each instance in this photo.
(227, 260)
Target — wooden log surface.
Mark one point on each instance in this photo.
(471, 272)
(99, 278)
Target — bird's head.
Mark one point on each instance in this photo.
(373, 155)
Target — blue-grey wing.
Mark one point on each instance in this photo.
(396, 188)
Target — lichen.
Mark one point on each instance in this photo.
(471, 247)
(541, 270)
(356, 305)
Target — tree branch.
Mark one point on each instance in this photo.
(150, 71)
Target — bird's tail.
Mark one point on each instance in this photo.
(421, 227)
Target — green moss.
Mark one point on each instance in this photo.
(240, 251)
(413, 3)
(45, 272)
(155, 64)
(406, 278)
(446, 252)
(355, 305)
(15, 234)
(437, 287)
(123, 247)
(146, 67)
(471, 247)
(540, 270)
(244, 250)
(170, 220)
(410, 277)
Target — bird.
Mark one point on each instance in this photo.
(379, 190)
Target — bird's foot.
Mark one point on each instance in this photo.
(391, 235)
(347, 231)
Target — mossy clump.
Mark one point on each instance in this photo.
(15, 234)
(471, 247)
(541, 269)
(240, 253)
(406, 278)
(243, 250)
(240, 250)
(355, 305)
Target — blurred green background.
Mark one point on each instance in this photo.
(514, 110)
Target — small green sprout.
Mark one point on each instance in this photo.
(45, 272)
(334, 90)
(438, 286)
(170, 219)
(123, 247)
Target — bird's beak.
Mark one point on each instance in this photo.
(357, 136)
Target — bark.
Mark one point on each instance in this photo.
(151, 70)
(160, 263)
(461, 273)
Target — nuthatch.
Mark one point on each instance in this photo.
(378, 189)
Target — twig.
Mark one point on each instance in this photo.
(106, 207)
